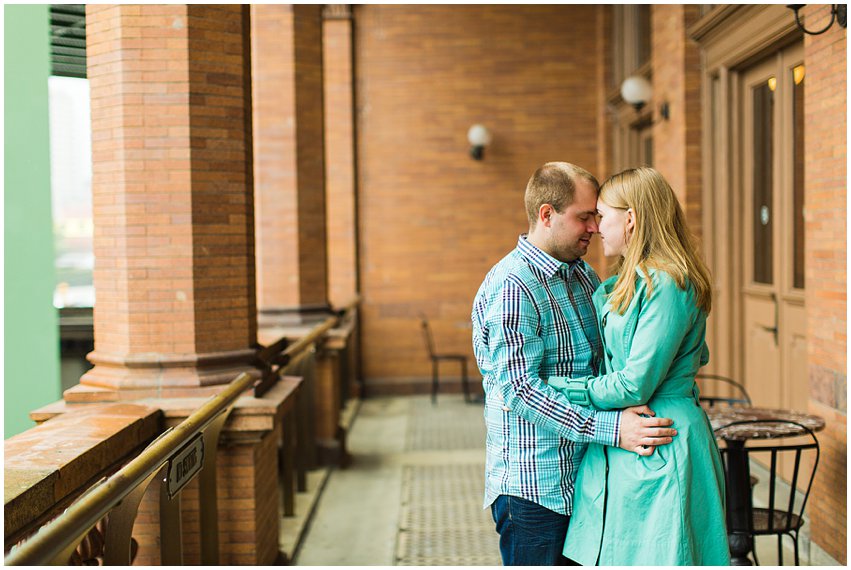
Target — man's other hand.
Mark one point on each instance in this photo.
(641, 434)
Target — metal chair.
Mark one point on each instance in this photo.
(436, 358)
(774, 439)
(741, 399)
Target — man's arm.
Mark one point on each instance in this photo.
(516, 353)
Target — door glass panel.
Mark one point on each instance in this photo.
(763, 151)
(798, 176)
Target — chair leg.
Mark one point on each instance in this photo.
(434, 381)
(780, 550)
(464, 381)
(795, 540)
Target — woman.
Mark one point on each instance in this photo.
(666, 508)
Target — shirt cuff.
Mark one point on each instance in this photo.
(574, 388)
(608, 428)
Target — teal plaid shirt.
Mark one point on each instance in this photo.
(533, 319)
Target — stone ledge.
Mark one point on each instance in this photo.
(50, 463)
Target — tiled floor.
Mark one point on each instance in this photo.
(413, 493)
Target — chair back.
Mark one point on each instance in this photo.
(740, 397)
(800, 448)
(427, 336)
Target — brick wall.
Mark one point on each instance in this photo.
(676, 80)
(172, 189)
(289, 155)
(339, 155)
(825, 102)
(432, 220)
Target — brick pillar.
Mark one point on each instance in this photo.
(676, 81)
(340, 153)
(289, 160)
(826, 278)
(172, 199)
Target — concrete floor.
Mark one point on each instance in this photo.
(413, 493)
(390, 507)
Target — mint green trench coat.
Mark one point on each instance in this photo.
(668, 508)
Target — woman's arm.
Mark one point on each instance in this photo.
(663, 322)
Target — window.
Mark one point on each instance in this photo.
(70, 158)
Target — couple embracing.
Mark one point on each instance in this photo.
(598, 451)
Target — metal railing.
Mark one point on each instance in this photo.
(119, 495)
(176, 457)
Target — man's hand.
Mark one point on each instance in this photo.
(640, 434)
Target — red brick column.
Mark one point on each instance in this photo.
(676, 81)
(289, 159)
(340, 153)
(825, 202)
(172, 199)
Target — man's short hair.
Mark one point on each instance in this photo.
(555, 184)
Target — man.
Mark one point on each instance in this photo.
(533, 319)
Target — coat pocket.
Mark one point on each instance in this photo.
(655, 462)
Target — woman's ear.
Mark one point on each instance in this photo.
(630, 221)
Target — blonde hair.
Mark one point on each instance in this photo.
(660, 238)
(554, 183)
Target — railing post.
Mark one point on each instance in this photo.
(208, 495)
(119, 525)
(287, 464)
(171, 529)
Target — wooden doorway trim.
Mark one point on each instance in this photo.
(731, 38)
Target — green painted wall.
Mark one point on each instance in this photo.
(31, 336)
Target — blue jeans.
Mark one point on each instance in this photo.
(529, 534)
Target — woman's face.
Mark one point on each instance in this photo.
(615, 224)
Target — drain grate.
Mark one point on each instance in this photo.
(450, 424)
(442, 522)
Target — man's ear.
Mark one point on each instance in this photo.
(545, 214)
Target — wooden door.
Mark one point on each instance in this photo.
(774, 315)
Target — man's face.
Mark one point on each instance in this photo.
(570, 231)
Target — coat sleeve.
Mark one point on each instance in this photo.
(664, 319)
(516, 351)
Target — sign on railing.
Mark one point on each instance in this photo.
(183, 465)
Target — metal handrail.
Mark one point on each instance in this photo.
(55, 542)
(55, 538)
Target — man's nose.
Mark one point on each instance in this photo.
(593, 227)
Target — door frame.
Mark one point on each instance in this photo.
(731, 38)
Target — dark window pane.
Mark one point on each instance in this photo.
(648, 151)
(798, 177)
(763, 131)
(644, 33)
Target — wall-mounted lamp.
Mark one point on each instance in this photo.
(636, 91)
(838, 13)
(479, 137)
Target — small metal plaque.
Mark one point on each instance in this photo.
(183, 465)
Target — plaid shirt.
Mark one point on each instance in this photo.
(532, 320)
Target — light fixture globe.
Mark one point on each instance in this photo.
(479, 137)
(636, 91)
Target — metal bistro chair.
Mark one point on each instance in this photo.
(780, 517)
(741, 399)
(436, 358)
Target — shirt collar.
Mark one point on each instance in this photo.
(548, 264)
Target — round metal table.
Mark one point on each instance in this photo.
(739, 489)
